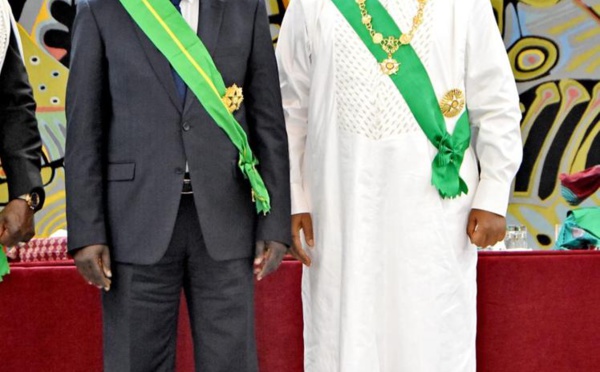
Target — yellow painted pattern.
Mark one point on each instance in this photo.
(47, 76)
(592, 67)
(572, 22)
(546, 94)
(592, 32)
(541, 215)
(590, 54)
(498, 6)
(43, 16)
(578, 159)
(540, 3)
(542, 49)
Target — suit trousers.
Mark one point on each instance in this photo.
(140, 312)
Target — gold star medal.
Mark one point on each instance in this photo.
(452, 103)
(233, 98)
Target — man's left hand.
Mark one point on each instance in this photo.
(485, 228)
(16, 223)
(268, 257)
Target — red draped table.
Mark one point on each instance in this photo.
(538, 312)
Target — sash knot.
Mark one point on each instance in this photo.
(260, 196)
(247, 165)
(446, 150)
(446, 165)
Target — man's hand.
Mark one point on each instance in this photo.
(303, 222)
(93, 263)
(268, 257)
(16, 223)
(485, 228)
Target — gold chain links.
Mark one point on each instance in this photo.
(391, 44)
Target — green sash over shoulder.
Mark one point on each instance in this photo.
(415, 86)
(171, 34)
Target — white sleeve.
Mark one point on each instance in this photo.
(493, 103)
(5, 29)
(293, 60)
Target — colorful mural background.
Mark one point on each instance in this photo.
(553, 45)
(554, 48)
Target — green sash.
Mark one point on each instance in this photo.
(415, 86)
(171, 34)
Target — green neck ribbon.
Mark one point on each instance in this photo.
(171, 34)
(415, 86)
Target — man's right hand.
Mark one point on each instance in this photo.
(303, 222)
(16, 223)
(93, 263)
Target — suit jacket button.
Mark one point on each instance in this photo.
(178, 171)
(186, 126)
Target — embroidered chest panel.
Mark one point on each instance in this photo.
(368, 103)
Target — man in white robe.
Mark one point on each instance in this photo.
(391, 281)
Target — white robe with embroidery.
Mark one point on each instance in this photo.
(7, 25)
(392, 287)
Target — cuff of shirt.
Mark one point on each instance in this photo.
(492, 196)
(299, 202)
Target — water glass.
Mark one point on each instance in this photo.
(516, 237)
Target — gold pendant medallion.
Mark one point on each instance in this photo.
(452, 103)
(389, 66)
(233, 98)
(390, 44)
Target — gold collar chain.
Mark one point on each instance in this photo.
(390, 44)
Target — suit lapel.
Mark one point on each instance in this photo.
(160, 65)
(209, 24)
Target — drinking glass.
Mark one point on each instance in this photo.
(516, 237)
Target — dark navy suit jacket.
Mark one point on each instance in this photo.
(129, 136)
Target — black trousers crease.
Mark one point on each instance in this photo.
(140, 312)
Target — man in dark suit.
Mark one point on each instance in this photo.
(20, 143)
(154, 186)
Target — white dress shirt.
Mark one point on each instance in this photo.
(190, 10)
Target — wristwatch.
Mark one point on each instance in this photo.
(32, 199)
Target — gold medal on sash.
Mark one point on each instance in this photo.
(452, 103)
(389, 66)
(390, 44)
(174, 38)
(424, 104)
(233, 98)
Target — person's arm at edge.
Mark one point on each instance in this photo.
(87, 108)
(493, 103)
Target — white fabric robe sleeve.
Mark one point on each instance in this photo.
(493, 103)
(293, 59)
(8, 26)
(5, 26)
